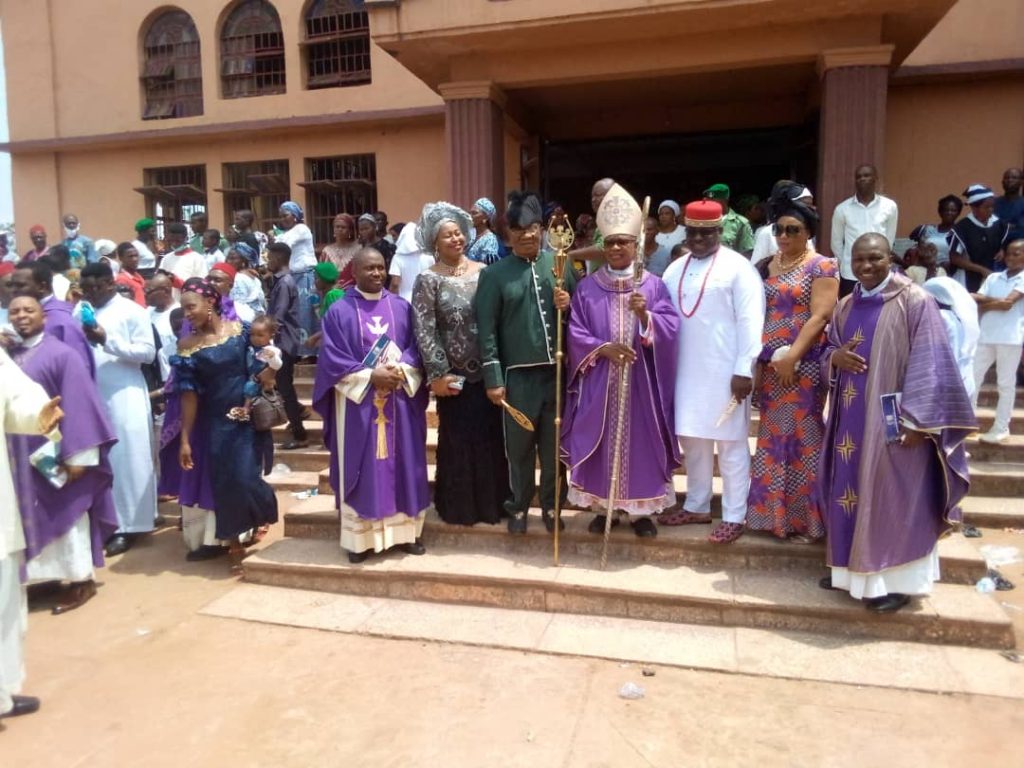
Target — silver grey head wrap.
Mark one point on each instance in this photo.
(436, 214)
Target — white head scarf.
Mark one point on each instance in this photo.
(950, 293)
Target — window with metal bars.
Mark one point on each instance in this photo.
(337, 44)
(343, 184)
(173, 193)
(172, 78)
(252, 51)
(260, 187)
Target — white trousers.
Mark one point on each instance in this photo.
(13, 622)
(1007, 358)
(734, 466)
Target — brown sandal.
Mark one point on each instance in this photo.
(726, 533)
(682, 517)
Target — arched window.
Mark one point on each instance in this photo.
(252, 51)
(172, 77)
(337, 44)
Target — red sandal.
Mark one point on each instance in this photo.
(726, 533)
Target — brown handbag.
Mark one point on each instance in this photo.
(267, 411)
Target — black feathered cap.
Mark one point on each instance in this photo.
(523, 210)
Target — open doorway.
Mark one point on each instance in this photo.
(679, 167)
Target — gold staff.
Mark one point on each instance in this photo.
(620, 416)
(561, 236)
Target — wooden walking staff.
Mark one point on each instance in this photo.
(620, 416)
(561, 237)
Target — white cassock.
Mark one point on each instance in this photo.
(123, 389)
(21, 400)
(720, 339)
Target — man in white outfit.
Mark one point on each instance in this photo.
(122, 340)
(720, 300)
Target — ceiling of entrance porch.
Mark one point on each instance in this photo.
(455, 40)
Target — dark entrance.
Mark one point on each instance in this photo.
(679, 167)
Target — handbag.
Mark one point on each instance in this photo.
(267, 411)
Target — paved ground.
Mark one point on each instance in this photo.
(138, 677)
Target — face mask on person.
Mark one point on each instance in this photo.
(71, 233)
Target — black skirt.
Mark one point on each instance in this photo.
(472, 472)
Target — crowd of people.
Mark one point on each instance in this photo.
(175, 358)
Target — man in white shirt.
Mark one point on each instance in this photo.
(122, 339)
(720, 300)
(1002, 333)
(865, 212)
(182, 261)
(160, 298)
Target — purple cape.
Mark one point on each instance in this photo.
(171, 473)
(47, 513)
(887, 504)
(374, 488)
(61, 324)
(600, 315)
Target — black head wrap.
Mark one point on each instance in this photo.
(524, 209)
(781, 203)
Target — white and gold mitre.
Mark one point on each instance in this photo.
(619, 214)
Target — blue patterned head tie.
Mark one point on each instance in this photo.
(294, 209)
(487, 207)
(247, 252)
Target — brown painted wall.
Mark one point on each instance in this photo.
(98, 185)
(941, 138)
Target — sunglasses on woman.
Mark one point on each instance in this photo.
(790, 230)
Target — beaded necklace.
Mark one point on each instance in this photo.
(703, 285)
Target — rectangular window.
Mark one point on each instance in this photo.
(260, 187)
(337, 48)
(253, 65)
(343, 184)
(173, 193)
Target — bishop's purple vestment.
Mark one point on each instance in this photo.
(599, 316)
(886, 504)
(378, 445)
(47, 512)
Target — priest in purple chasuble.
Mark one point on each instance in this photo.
(65, 527)
(891, 475)
(375, 415)
(616, 324)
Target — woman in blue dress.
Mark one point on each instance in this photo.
(211, 369)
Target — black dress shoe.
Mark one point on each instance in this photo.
(117, 544)
(206, 552)
(77, 595)
(357, 557)
(597, 524)
(549, 521)
(644, 528)
(413, 548)
(888, 603)
(826, 583)
(293, 445)
(23, 705)
(517, 523)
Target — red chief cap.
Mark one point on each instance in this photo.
(6, 267)
(227, 269)
(703, 214)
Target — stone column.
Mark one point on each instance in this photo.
(854, 86)
(475, 142)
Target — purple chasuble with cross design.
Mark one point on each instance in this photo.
(378, 445)
(886, 504)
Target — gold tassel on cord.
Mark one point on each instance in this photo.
(380, 400)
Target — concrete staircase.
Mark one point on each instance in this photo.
(678, 578)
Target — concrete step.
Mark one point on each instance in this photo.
(953, 614)
(316, 518)
(1010, 451)
(980, 507)
(294, 481)
(990, 478)
(304, 387)
(312, 459)
(314, 429)
(986, 415)
(988, 394)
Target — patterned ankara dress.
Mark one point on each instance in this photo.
(783, 474)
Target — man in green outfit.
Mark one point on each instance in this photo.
(736, 231)
(516, 316)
